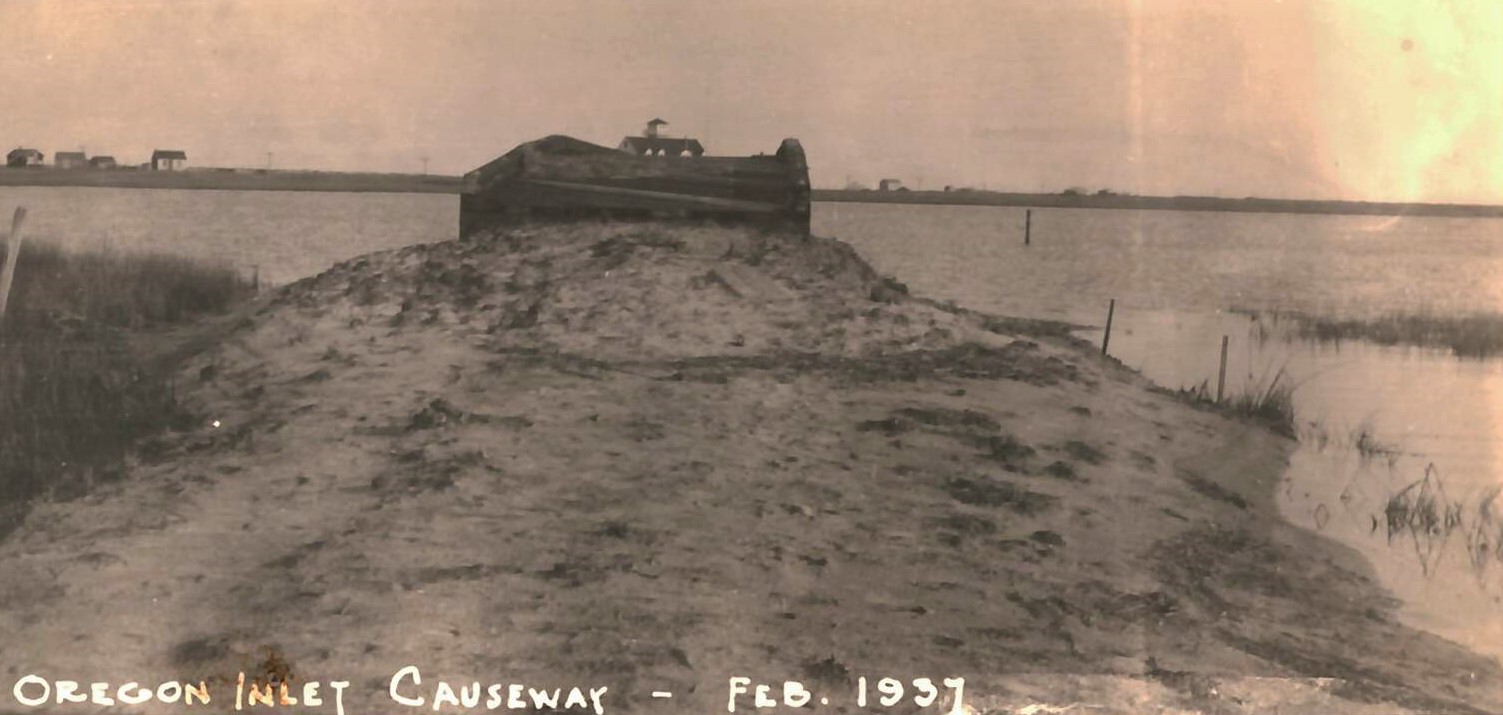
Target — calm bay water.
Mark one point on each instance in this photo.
(1176, 277)
(286, 235)
(1176, 261)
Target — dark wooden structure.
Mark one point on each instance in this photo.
(562, 178)
(21, 157)
(661, 146)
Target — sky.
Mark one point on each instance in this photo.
(1382, 100)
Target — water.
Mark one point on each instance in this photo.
(1176, 277)
(282, 235)
(1178, 261)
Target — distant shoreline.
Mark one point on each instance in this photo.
(235, 180)
(274, 180)
(1159, 203)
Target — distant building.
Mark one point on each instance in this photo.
(890, 185)
(69, 160)
(21, 157)
(168, 160)
(651, 143)
(102, 162)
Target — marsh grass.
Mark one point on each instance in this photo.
(1424, 513)
(1477, 335)
(1428, 518)
(55, 288)
(73, 396)
(1362, 439)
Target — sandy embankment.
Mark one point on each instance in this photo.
(653, 458)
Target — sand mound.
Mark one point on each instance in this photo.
(641, 291)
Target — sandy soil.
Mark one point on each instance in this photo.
(654, 457)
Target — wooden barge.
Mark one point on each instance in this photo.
(560, 178)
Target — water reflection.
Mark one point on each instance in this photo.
(1400, 451)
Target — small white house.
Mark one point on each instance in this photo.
(168, 160)
(69, 160)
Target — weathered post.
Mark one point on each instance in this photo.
(1221, 378)
(1111, 310)
(1027, 227)
(12, 254)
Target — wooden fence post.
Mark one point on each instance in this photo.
(1111, 310)
(1027, 227)
(12, 254)
(1221, 378)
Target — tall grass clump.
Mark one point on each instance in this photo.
(1269, 402)
(73, 395)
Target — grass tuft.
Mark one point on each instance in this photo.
(1371, 449)
(1269, 402)
(1423, 512)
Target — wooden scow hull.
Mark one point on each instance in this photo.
(559, 178)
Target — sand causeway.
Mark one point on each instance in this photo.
(657, 456)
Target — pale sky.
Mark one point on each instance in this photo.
(1353, 99)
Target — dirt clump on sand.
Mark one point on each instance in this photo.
(652, 457)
